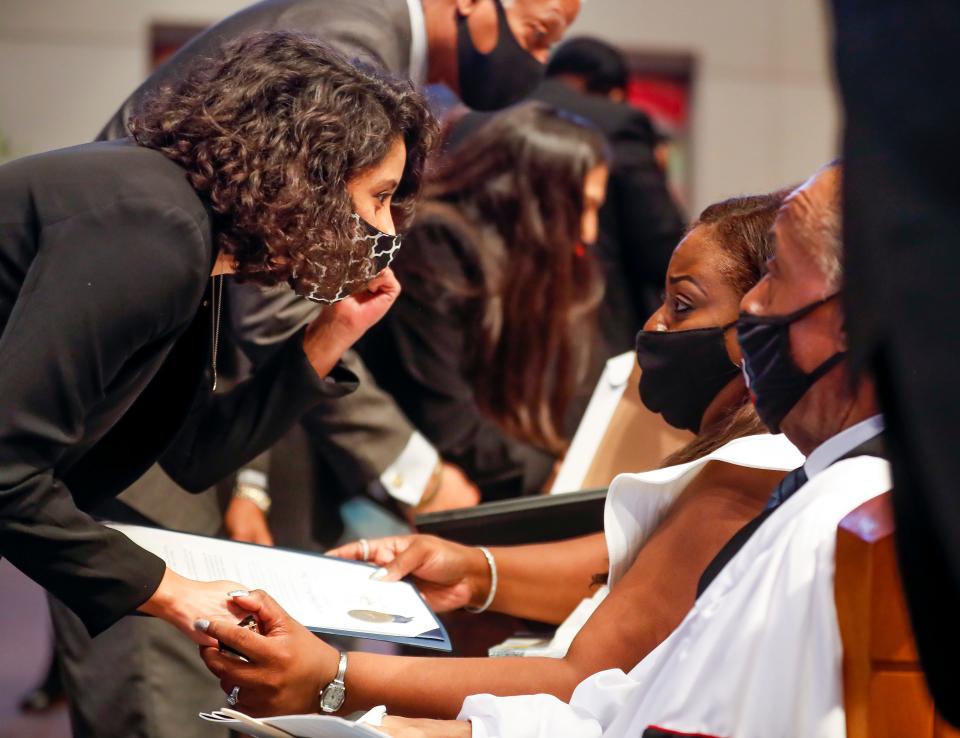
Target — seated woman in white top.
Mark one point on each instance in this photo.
(657, 550)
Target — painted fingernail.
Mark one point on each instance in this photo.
(202, 624)
(238, 593)
(379, 574)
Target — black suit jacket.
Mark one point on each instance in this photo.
(357, 437)
(897, 68)
(105, 258)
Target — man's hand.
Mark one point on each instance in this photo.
(449, 576)
(399, 727)
(342, 324)
(288, 665)
(246, 522)
(182, 601)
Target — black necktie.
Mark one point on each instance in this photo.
(787, 487)
(785, 490)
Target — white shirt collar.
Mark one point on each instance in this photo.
(418, 43)
(844, 442)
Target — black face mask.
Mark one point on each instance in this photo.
(775, 381)
(682, 372)
(499, 78)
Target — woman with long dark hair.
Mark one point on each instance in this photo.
(278, 161)
(662, 528)
(485, 346)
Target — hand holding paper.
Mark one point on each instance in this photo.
(180, 601)
(326, 594)
(448, 575)
(288, 665)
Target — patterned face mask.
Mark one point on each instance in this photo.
(376, 253)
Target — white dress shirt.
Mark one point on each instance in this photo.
(759, 654)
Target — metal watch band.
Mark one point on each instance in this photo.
(335, 693)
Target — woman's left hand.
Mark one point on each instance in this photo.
(399, 727)
(341, 325)
(288, 665)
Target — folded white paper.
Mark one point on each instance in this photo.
(298, 726)
(321, 592)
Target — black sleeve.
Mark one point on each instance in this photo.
(225, 431)
(649, 223)
(425, 335)
(103, 287)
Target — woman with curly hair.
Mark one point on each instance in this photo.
(278, 162)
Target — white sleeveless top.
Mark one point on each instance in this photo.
(637, 504)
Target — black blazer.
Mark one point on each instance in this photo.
(418, 354)
(105, 258)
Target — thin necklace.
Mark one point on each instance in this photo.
(216, 296)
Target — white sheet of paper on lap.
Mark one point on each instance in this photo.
(298, 726)
(320, 592)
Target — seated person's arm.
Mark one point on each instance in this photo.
(641, 610)
(542, 582)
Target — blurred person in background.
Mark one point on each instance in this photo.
(490, 339)
(640, 222)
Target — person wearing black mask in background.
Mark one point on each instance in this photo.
(639, 223)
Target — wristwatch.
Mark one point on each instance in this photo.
(333, 695)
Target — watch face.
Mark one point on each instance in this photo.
(333, 697)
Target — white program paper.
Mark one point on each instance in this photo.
(320, 592)
(298, 726)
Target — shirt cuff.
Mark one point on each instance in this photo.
(253, 478)
(406, 478)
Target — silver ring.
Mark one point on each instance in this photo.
(234, 697)
(365, 548)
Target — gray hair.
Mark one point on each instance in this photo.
(820, 224)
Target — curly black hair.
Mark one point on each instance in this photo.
(270, 133)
